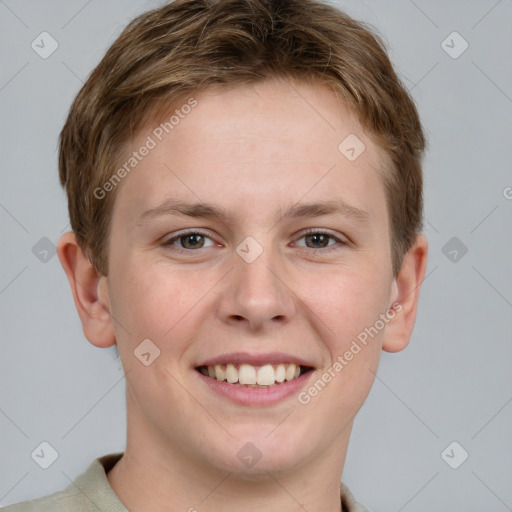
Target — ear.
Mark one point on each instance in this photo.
(90, 292)
(404, 295)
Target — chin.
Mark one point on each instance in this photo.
(252, 457)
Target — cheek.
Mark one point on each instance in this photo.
(150, 300)
(348, 307)
(350, 304)
(163, 302)
(347, 302)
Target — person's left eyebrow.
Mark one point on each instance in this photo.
(212, 211)
(319, 208)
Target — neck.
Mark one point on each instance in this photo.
(154, 475)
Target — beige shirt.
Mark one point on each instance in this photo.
(91, 492)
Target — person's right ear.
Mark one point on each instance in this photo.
(90, 292)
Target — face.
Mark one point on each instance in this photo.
(249, 237)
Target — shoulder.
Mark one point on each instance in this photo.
(90, 491)
(65, 500)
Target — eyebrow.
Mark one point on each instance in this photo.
(212, 211)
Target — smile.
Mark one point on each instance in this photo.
(248, 375)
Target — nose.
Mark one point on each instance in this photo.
(257, 294)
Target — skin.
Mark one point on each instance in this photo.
(250, 150)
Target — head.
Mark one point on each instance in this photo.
(260, 113)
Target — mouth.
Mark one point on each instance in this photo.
(251, 376)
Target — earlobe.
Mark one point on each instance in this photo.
(90, 292)
(405, 294)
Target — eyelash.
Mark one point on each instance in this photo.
(170, 242)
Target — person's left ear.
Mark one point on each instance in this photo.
(405, 294)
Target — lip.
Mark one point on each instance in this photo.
(256, 359)
(257, 396)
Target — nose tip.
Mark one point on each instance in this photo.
(257, 294)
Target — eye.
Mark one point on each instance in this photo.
(316, 239)
(194, 240)
(189, 240)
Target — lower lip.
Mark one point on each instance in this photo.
(257, 396)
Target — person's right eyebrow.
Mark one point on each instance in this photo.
(176, 207)
(204, 210)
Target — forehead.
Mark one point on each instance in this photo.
(272, 141)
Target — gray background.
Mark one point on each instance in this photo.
(454, 381)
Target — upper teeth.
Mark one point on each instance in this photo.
(246, 374)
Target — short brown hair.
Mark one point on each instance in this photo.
(186, 46)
